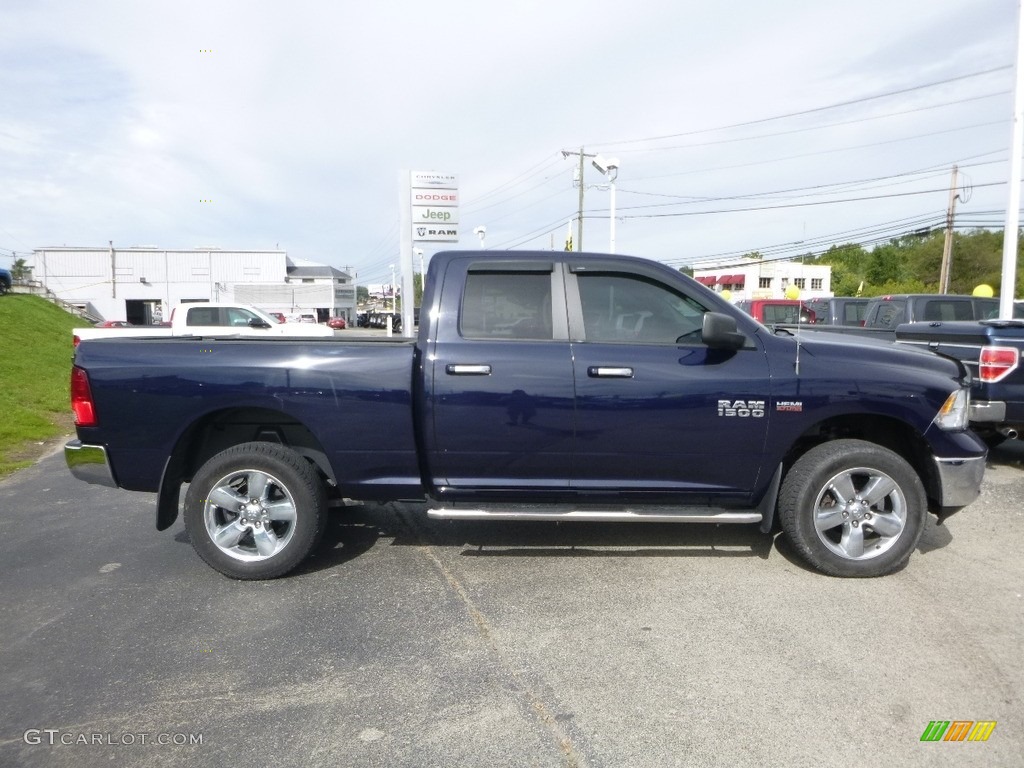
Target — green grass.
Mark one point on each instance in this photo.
(35, 366)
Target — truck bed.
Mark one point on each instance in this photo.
(183, 388)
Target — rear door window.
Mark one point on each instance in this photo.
(853, 312)
(507, 305)
(203, 316)
(889, 314)
(779, 313)
(947, 309)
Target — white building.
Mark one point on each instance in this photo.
(757, 279)
(141, 284)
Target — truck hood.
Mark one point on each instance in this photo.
(853, 350)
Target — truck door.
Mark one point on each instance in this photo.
(657, 410)
(499, 410)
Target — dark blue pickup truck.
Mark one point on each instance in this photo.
(541, 386)
(991, 350)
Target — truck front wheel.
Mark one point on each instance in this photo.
(255, 511)
(853, 508)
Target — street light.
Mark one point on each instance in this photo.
(419, 252)
(481, 232)
(609, 166)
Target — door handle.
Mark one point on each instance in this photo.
(463, 369)
(609, 372)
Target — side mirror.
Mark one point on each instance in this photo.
(719, 332)
(257, 323)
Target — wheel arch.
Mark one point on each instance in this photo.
(888, 432)
(219, 430)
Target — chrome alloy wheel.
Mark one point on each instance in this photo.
(249, 515)
(860, 513)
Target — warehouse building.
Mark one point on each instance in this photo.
(141, 284)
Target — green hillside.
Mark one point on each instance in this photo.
(35, 366)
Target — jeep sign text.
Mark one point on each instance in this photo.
(426, 214)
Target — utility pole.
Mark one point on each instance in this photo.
(947, 247)
(578, 245)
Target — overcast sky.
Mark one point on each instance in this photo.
(781, 127)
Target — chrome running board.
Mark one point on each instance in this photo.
(631, 514)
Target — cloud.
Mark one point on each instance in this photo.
(296, 118)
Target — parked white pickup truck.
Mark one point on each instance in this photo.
(211, 319)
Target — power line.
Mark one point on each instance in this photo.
(813, 110)
(822, 126)
(849, 148)
(799, 205)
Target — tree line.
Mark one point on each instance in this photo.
(912, 264)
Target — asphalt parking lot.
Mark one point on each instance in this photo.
(410, 642)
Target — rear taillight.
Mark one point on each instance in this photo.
(76, 340)
(996, 363)
(81, 399)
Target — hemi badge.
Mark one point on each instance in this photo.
(793, 406)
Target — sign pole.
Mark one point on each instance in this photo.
(405, 253)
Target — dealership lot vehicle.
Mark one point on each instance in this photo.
(775, 311)
(838, 310)
(890, 311)
(992, 351)
(540, 387)
(210, 319)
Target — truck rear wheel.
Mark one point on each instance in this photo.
(255, 511)
(853, 508)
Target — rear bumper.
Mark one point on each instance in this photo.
(959, 480)
(89, 463)
(987, 411)
(995, 412)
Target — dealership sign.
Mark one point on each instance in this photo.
(436, 234)
(433, 179)
(434, 201)
(425, 214)
(448, 197)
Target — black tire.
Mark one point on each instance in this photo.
(853, 508)
(255, 511)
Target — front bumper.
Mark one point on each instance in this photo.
(89, 463)
(959, 481)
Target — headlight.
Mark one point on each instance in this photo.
(953, 413)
